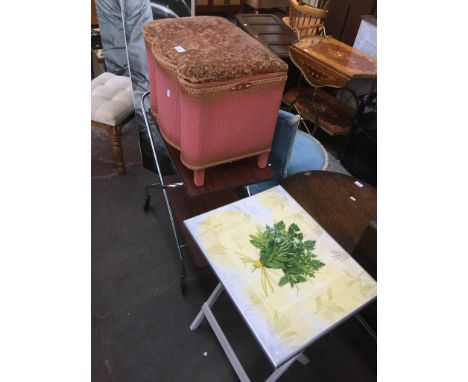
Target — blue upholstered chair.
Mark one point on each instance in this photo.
(292, 151)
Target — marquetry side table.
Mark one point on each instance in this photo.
(327, 62)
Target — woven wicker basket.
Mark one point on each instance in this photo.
(217, 90)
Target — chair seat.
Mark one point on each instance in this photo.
(334, 116)
(307, 155)
(287, 21)
(111, 99)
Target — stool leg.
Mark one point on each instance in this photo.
(117, 149)
(263, 160)
(199, 177)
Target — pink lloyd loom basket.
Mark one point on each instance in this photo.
(215, 91)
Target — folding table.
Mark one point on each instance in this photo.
(285, 320)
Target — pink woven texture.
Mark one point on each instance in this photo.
(168, 106)
(152, 78)
(223, 104)
(228, 126)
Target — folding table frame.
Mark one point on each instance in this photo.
(206, 312)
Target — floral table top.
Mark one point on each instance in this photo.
(291, 285)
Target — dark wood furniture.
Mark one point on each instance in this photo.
(337, 202)
(347, 209)
(224, 177)
(344, 18)
(366, 248)
(223, 185)
(94, 16)
(327, 62)
(365, 253)
(218, 6)
(342, 205)
(275, 35)
(359, 155)
(269, 30)
(183, 201)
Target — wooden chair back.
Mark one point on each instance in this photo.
(307, 17)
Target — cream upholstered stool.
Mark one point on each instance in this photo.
(111, 108)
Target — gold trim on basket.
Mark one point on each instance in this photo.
(169, 141)
(201, 167)
(227, 86)
(155, 115)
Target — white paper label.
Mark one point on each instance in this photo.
(168, 93)
(179, 49)
(358, 184)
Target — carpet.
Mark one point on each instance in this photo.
(103, 163)
(102, 158)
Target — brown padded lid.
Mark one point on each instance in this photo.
(210, 49)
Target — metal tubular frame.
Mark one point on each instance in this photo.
(366, 326)
(205, 312)
(162, 186)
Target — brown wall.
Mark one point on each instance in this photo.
(94, 17)
(344, 18)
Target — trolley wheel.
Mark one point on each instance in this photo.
(147, 203)
(182, 285)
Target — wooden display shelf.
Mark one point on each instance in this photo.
(269, 30)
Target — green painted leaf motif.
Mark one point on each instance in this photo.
(289, 333)
(368, 287)
(347, 273)
(335, 308)
(217, 249)
(255, 300)
(318, 302)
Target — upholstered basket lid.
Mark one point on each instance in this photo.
(204, 49)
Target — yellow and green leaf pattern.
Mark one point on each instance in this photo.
(284, 318)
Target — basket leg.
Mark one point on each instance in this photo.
(199, 177)
(263, 160)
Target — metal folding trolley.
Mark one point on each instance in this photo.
(224, 184)
(162, 186)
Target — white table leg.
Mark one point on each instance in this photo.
(281, 370)
(211, 300)
(205, 312)
(225, 344)
(302, 359)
